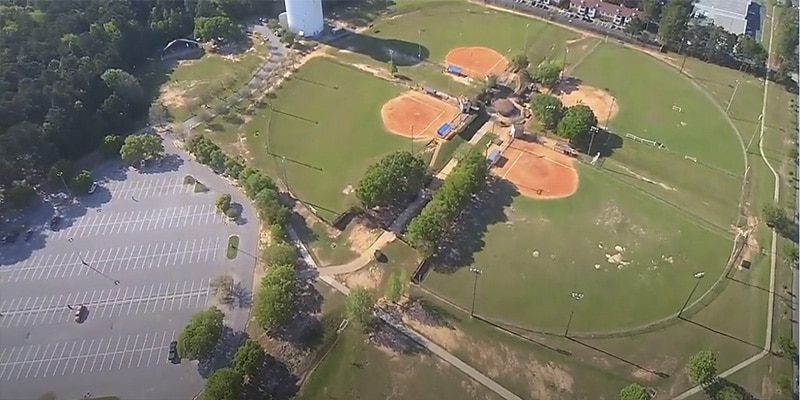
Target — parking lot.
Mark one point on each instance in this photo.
(139, 254)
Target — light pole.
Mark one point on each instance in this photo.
(577, 296)
(613, 103)
(698, 276)
(564, 63)
(735, 88)
(591, 141)
(685, 55)
(61, 176)
(86, 264)
(477, 273)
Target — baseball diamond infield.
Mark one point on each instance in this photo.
(477, 62)
(538, 171)
(417, 115)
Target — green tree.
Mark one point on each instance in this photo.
(359, 306)
(787, 347)
(652, 9)
(391, 67)
(674, 20)
(392, 181)
(112, 145)
(81, 182)
(396, 287)
(158, 114)
(125, 84)
(19, 194)
(278, 233)
(141, 147)
(201, 334)
(273, 302)
(702, 368)
(520, 62)
(634, 391)
(224, 202)
(233, 167)
(728, 392)
(257, 182)
(280, 254)
(547, 109)
(62, 169)
(547, 73)
(752, 50)
(288, 38)
(223, 384)
(576, 123)
(270, 209)
(635, 26)
(774, 216)
(212, 28)
(248, 358)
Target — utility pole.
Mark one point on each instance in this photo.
(477, 273)
(591, 141)
(577, 296)
(699, 276)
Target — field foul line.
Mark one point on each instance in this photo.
(510, 167)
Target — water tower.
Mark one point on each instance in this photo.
(304, 17)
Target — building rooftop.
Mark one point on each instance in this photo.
(729, 14)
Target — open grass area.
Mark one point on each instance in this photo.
(357, 369)
(534, 254)
(432, 29)
(184, 86)
(320, 134)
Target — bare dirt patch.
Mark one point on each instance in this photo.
(538, 171)
(477, 62)
(572, 92)
(367, 278)
(174, 95)
(416, 115)
(362, 235)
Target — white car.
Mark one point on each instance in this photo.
(92, 188)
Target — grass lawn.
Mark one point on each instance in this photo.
(709, 189)
(356, 369)
(536, 253)
(185, 86)
(438, 27)
(326, 122)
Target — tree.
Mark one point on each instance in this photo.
(634, 391)
(125, 84)
(635, 26)
(392, 181)
(277, 233)
(392, 68)
(288, 38)
(397, 286)
(19, 194)
(224, 202)
(547, 73)
(788, 348)
(652, 9)
(257, 182)
(576, 123)
(280, 254)
(62, 169)
(201, 334)
(674, 19)
(547, 109)
(223, 384)
(248, 358)
(233, 167)
(158, 114)
(141, 147)
(273, 302)
(359, 306)
(112, 145)
(214, 28)
(728, 392)
(702, 368)
(520, 62)
(752, 50)
(81, 182)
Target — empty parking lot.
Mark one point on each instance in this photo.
(139, 254)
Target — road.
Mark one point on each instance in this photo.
(139, 253)
(773, 246)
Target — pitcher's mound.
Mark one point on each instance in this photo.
(477, 62)
(413, 114)
(600, 101)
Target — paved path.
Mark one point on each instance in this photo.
(415, 336)
(773, 247)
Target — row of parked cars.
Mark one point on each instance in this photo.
(570, 15)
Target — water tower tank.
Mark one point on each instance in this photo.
(304, 16)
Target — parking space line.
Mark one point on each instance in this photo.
(94, 359)
(86, 359)
(80, 351)
(28, 372)
(20, 369)
(142, 353)
(66, 364)
(50, 360)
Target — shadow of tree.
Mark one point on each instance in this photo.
(274, 381)
(402, 53)
(227, 345)
(465, 237)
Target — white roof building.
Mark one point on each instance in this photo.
(729, 14)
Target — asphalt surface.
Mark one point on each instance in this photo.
(139, 253)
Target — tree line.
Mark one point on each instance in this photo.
(68, 74)
(466, 179)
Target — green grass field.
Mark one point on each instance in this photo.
(326, 122)
(356, 369)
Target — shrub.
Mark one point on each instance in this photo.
(280, 254)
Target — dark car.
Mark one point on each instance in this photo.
(10, 238)
(173, 352)
(54, 222)
(28, 234)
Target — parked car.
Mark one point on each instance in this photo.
(54, 222)
(28, 234)
(10, 238)
(92, 188)
(80, 310)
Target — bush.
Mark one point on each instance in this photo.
(280, 254)
(188, 180)
(634, 391)
(787, 347)
(359, 307)
(224, 202)
(81, 182)
(278, 233)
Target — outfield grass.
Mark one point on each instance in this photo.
(567, 234)
(434, 28)
(356, 369)
(326, 122)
